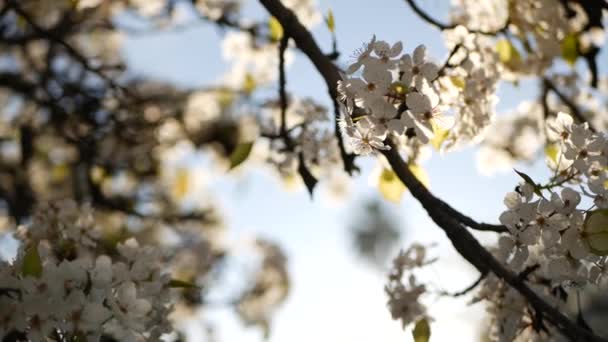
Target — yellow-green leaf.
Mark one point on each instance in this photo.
(226, 97)
(507, 53)
(275, 29)
(32, 264)
(240, 154)
(440, 135)
(390, 186)
(552, 152)
(330, 21)
(176, 283)
(422, 331)
(420, 174)
(457, 81)
(595, 231)
(181, 184)
(249, 84)
(569, 46)
(529, 180)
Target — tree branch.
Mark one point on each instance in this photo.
(468, 289)
(442, 26)
(568, 102)
(464, 242)
(468, 247)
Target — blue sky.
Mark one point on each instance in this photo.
(334, 296)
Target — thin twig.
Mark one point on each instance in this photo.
(442, 26)
(468, 289)
(575, 111)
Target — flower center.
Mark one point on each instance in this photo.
(583, 154)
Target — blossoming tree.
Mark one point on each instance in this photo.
(114, 246)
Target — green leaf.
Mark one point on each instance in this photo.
(569, 46)
(422, 331)
(275, 29)
(390, 186)
(458, 81)
(176, 283)
(249, 84)
(552, 152)
(595, 231)
(440, 135)
(181, 184)
(240, 154)
(529, 180)
(330, 22)
(507, 53)
(32, 264)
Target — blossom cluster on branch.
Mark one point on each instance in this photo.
(78, 124)
(65, 282)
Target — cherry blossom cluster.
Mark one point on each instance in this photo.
(394, 92)
(571, 239)
(512, 138)
(404, 296)
(558, 234)
(65, 282)
(510, 316)
(469, 90)
(308, 124)
(407, 95)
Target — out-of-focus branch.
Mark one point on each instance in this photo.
(574, 109)
(51, 36)
(442, 26)
(309, 180)
(283, 85)
(306, 43)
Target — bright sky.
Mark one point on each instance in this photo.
(334, 297)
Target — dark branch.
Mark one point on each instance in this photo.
(575, 110)
(468, 289)
(282, 85)
(51, 36)
(464, 242)
(442, 26)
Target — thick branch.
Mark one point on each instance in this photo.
(306, 43)
(464, 242)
